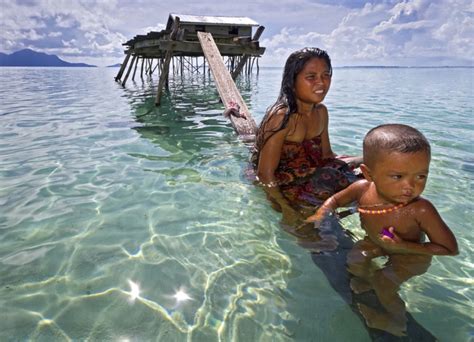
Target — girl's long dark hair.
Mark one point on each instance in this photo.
(287, 98)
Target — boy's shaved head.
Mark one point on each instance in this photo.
(393, 138)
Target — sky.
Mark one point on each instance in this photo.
(353, 32)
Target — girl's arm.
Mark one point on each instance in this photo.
(269, 158)
(270, 154)
(325, 143)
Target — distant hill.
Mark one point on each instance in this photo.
(29, 57)
(114, 65)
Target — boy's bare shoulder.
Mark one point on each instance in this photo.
(355, 190)
(423, 206)
(361, 185)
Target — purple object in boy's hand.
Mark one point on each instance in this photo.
(386, 232)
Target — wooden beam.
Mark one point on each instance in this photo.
(163, 77)
(129, 69)
(122, 67)
(226, 87)
(166, 64)
(240, 66)
(135, 70)
(225, 49)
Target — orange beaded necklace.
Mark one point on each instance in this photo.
(380, 211)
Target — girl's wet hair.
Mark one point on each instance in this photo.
(393, 138)
(287, 97)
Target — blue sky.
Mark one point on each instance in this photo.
(387, 32)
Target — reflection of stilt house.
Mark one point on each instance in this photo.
(189, 43)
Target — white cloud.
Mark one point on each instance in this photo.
(353, 32)
(408, 32)
(155, 28)
(32, 35)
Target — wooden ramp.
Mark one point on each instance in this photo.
(230, 95)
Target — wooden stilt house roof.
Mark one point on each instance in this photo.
(210, 20)
(233, 36)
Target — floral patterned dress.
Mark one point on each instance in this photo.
(305, 178)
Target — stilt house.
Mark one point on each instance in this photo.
(188, 42)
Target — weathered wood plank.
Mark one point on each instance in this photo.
(226, 87)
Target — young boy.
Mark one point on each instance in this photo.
(395, 219)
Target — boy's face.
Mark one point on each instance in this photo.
(313, 81)
(399, 177)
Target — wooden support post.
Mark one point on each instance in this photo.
(244, 58)
(227, 89)
(156, 66)
(124, 64)
(166, 63)
(141, 69)
(129, 69)
(163, 76)
(135, 70)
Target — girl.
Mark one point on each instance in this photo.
(293, 156)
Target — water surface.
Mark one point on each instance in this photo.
(102, 193)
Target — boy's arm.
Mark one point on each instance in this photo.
(340, 199)
(441, 238)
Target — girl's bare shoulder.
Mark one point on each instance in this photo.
(321, 109)
(276, 117)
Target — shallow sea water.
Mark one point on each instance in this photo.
(125, 221)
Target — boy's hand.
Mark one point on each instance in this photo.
(391, 239)
(317, 217)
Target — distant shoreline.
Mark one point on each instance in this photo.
(391, 67)
(262, 67)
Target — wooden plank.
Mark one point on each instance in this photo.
(226, 87)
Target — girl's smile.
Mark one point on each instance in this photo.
(313, 81)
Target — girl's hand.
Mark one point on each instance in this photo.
(291, 216)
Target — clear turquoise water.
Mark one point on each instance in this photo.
(101, 190)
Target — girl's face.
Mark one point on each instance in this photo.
(400, 177)
(313, 81)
